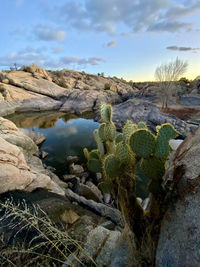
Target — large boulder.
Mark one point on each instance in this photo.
(41, 86)
(138, 110)
(10, 133)
(179, 242)
(16, 174)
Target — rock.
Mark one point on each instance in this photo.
(138, 110)
(179, 237)
(75, 168)
(99, 245)
(175, 143)
(40, 86)
(89, 191)
(10, 133)
(37, 137)
(106, 198)
(99, 208)
(37, 72)
(72, 159)
(16, 174)
(68, 177)
(44, 154)
(69, 216)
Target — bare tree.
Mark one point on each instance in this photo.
(167, 75)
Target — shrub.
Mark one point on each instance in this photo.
(122, 158)
(107, 86)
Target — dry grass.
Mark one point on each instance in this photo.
(43, 243)
(184, 112)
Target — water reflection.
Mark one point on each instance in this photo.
(66, 134)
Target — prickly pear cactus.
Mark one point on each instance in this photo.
(119, 157)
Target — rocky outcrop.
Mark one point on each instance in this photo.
(19, 169)
(138, 110)
(34, 89)
(180, 231)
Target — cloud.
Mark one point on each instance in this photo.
(57, 49)
(112, 44)
(29, 56)
(137, 16)
(182, 48)
(48, 33)
(39, 56)
(81, 62)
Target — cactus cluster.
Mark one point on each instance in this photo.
(117, 153)
(122, 157)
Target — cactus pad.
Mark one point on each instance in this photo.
(142, 143)
(128, 129)
(123, 153)
(153, 168)
(94, 165)
(106, 112)
(165, 133)
(101, 132)
(111, 166)
(99, 143)
(119, 138)
(86, 153)
(110, 131)
(94, 154)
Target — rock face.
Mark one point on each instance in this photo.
(34, 89)
(180, 232)
(19, 169)
(138, 110)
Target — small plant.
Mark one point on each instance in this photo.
(43, 243)
(107, 86)
(122, 158)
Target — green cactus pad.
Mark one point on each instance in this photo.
(101, 132)
(94, 165)
(153, 168)
(128, 129)
(99, 143)
(142, 125)
(106, 112)
(86, 153)
(104, 187)
(119, 138)
(94, 154)
(110, 147)
(165, 133)
(142, 143)
(110, 131)
(123, 153)
(111, 166)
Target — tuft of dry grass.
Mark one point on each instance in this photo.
(43, 243)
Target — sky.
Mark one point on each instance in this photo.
(123, 38)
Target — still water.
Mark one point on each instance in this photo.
(66, 135)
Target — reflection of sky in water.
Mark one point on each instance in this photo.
(67, 139)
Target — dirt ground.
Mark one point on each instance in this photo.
(183, 112)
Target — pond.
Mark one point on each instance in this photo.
(66, 135)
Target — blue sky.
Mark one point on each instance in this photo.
(123, 38)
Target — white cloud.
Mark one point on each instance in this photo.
(138, 15)
(112, 44)
(48, 33)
